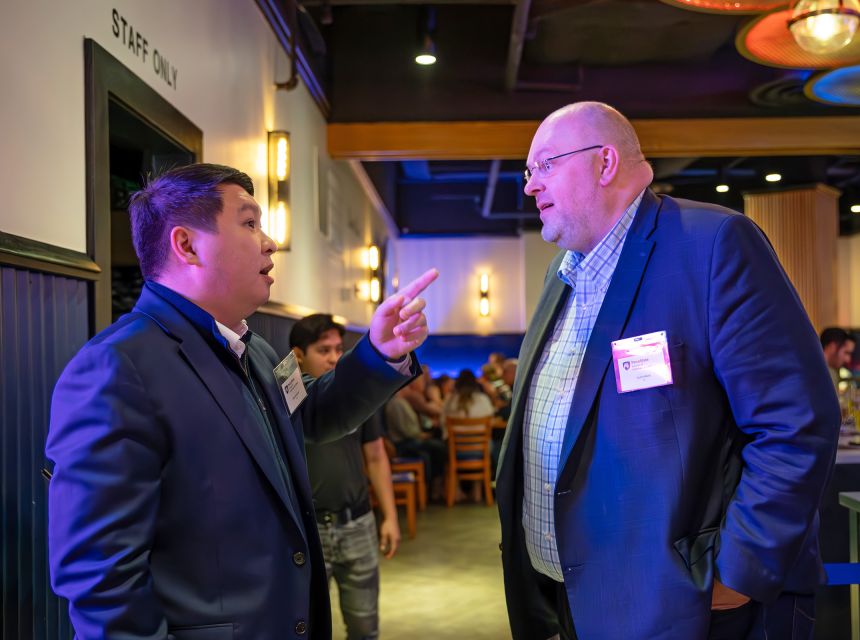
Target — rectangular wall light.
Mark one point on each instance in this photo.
(277, 222)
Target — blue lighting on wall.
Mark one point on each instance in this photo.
(451, 353)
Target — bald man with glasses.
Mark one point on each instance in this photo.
(673, 425)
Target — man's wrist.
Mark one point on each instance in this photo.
(385, 357)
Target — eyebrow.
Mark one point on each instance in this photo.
(253, 208)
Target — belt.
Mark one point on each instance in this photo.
(344, 516)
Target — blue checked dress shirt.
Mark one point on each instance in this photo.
(553, 384)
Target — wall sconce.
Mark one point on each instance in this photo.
(371, 289)
(484, 302)
(824, 26)
(277, 222)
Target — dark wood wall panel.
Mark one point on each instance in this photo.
(43, 322)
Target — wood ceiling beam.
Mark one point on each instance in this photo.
(698, 137)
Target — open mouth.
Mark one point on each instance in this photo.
(265, 273)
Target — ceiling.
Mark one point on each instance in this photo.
(645, 57)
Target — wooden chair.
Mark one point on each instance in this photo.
(468, 455)
(406, 487)
(412, 465)
(404, 496)
(416, 467)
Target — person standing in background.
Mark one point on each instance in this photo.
(341, 502)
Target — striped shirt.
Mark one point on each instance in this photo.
(553, 384)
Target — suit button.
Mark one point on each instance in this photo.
(301, 627)
(299, 558)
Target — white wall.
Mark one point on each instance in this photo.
(228, 60)
(452, 301)
(537, 255)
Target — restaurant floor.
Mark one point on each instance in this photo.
(444, 584)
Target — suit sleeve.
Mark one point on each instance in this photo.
(767, 357)
(108, 453)
(341, 400)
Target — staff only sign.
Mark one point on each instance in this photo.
(138, 44)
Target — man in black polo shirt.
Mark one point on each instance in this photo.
(346, 523)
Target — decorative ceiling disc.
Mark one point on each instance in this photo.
(735, 7)
(838, 87)
(767, 40)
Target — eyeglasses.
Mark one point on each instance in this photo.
(544, 167)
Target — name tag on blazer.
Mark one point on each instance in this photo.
(642, 362)
(289, 378)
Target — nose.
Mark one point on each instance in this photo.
(269, 246)
(533, 186)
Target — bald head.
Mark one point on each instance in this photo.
(585, 168)
(599, 120)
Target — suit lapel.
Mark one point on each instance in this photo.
(293, 448)
(611, 320)
(226, 389)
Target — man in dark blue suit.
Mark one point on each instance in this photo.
(673, 425)
(180, 505)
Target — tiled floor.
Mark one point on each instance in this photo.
(446, 583)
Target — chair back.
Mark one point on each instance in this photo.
(468, 455)
(468, 441)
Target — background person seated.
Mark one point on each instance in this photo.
(428, 406)
(410, 440)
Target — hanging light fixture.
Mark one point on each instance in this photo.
(824, 26)
(426, 30)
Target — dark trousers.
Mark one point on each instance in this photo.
(565, 619)
(790, 617)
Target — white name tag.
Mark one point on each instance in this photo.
(642, 362)
(289, 378)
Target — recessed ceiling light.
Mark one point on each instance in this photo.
(722, 188)
(773, 177)
(855, 208)
(425, 59)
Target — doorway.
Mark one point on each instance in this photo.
(137, 151)
(132, 132)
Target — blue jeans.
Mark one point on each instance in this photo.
(351, 553)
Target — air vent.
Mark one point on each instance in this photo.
(785, 92)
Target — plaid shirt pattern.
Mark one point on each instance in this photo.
(553, 384)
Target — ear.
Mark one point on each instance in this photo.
(610, 161)
(182, 241)
(300, 355)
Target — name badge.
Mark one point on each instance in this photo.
(289, 378)
(642, 362)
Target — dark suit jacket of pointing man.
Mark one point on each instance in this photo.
(717, 475)
(169, 514)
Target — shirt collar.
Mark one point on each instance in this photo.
(237, 341)
(209, 328)
(590, 264)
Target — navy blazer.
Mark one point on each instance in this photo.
(167, 516)
(719, 475)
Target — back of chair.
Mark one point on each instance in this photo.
(468, 455)
(468, 440)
